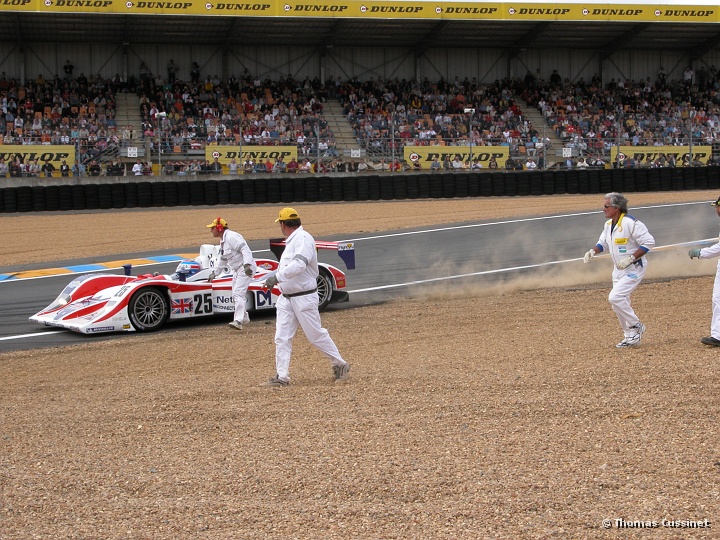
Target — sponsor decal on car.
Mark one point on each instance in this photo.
(101, 329)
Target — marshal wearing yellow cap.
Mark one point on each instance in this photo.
(287, 214)
(218, 222)
(235, 254)
(297, 306)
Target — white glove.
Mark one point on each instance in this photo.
(589, 255)
(248, 270)
(211, 276)
(623, 263)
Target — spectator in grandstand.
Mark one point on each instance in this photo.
(306, 166)
(48, 169)
(279, 166)
(530, 164)
(688, 76)
(3, 168)
(94, 169)
(138, 168)
(292, 166)
(15, 168)
(78, 169)
(555, 78)
(68, 69)
(493, 164)
(169, 168)
(582, 164)
(435, 165)
(233, 167)
(35, 168)
(195, 73)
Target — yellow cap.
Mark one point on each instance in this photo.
(716, 203)
(286, 214)
(218, 221)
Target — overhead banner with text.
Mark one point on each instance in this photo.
(426, 154)
(643, 154)
(400, 9)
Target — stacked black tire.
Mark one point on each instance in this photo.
(309, 188)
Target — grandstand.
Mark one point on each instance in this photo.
(550, 90)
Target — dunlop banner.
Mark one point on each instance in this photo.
(426, 154)
(225, 154)
(399, 9)
(30, 152)
(648, 154)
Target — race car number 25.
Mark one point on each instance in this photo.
(203, 303)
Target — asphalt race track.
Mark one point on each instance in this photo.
(395, 263)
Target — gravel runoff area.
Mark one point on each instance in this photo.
(504, 412)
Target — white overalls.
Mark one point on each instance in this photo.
(709, 253)
(298, 305)
(235, 254)
(619, 241)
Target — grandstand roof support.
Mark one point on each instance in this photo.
(429, 39)
(328, 40)
(527, 40)
(621, 41)
(703, 48)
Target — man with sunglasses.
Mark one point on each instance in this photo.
(627, 241)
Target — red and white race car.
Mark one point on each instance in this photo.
(98, 303)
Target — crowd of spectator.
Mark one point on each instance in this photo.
(76, 111)
(187, 115)
(385, 115)
(591, 118)
(388, 115)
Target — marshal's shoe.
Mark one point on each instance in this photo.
(341, 372)
(633, 340)
(275, 382)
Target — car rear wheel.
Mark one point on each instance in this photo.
(148, 309)
(324, 287)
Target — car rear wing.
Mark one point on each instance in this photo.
(346, 250)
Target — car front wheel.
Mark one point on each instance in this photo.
(148, 309)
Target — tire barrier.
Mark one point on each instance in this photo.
(144, 194)
(310, 188)
(38, 199)
(105, 196)
(118, 196)
(24, 199)
(157, 195)
(52, 198)
(131, 196)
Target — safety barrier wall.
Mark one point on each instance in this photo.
(166, 191)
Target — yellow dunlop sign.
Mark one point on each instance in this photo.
(398, 9)
(31, 152)
(225, 154)
(645, 154)
(426, 154)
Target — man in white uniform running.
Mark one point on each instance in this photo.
(709, 253)
(296, 278)
(627, 240)
(236, 255)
